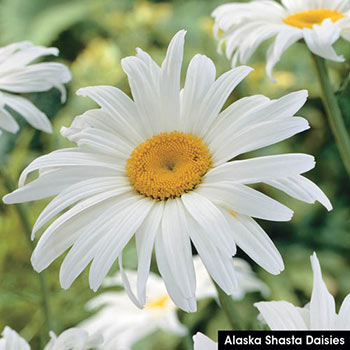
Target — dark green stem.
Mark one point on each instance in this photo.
(22, 214)
(229, 308)
(334, 114)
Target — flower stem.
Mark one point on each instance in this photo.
(334, 114)
(22, 214)
(229, 308)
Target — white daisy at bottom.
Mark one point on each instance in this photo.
(319, 314)
(123, 324)
(202, 342)
(70, 339)
(158, 168)
(19, 76)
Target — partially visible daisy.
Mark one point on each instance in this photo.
(123, 324)
(11, 340)
(74, 339)
(320, 314)
(70, 339)
(157, 167)
(18, 76)
(245, 26)
(202, 342)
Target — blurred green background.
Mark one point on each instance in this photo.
(92, 37)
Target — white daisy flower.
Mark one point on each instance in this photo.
(74, 339)
(202, 342)
(319, 314)
(157, 167)
(70, 339)
(123, 324)
(18, 76)
(245, 26)
(11, 340)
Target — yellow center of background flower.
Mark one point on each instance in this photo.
(160, 303)
(307, 19)
(168, 165)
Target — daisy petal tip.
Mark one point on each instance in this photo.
(7, 199)
(54, 51)
(84, 91)
(181, 32)
(328, 205)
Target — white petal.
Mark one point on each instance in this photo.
(322, 306)
(54, 182)
(176, 244)
(170, 81)
(200, 76)
(258, 110)
(167, 265)
(126, 283)
(211, 221)
(283, 41)
(74, 338)
(281, 315)
(29, 112)
(145, 237)
(13, 341)
(345, 28)
(343, 319)
(145, 91)
(37, 77)
(218, 263)
(258, 136)
(66, 229)
(126, 222)
(70, 157)
(202, 342)
(91, 237)
(320, 39)
(120, 109)
(77, 192)
(7, 122)
(29, 54)
(216, 96)
(261, 169)
(233, 114)
(301, 188)
(8, 50)
(101, 141)
(245, 200)
(254, 241)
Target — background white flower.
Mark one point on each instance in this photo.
(202, 342)
(11, 340)
(245, 26)
(320, 314)
(157, 167)
(74, 339)
(70, 339)
(18, 76)
(123, 324)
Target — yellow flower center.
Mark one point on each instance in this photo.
(160, 303)
(306, 19)
(168, 165)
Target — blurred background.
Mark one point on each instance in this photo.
(92, 37)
